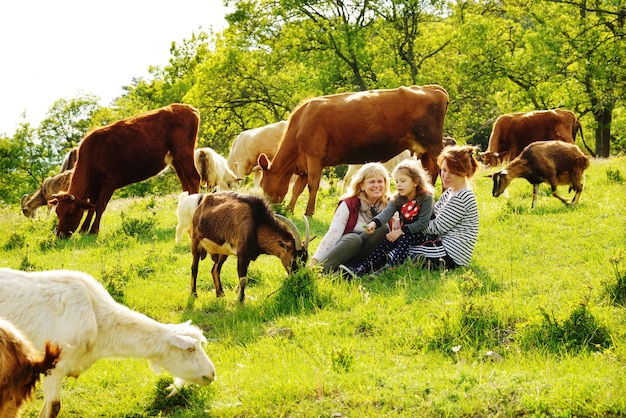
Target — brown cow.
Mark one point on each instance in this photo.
(125, 152)
(353, 128)
(512, 132)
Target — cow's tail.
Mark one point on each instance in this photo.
(578, 127)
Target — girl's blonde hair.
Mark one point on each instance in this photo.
(414, 170)
(368, 171)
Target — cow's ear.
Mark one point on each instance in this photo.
(264, 162)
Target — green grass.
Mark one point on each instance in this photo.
(534, 327)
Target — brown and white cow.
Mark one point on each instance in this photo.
(512, 132)
(125, 152)
(353, 128)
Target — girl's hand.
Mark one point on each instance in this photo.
(394, 235)
(370, 227)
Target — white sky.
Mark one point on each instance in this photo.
(54, 49)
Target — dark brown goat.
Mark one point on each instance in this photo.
(553, 162)
(20, 368)
(228, 223)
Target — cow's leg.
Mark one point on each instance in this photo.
(218, 261)
(52, 384)
(186, 171)
(577, 185)
(101, 204)
(296, 190)
(242, 272)
(429, 162)
(315, 168)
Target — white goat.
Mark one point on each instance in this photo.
(187, 205)
(72, 310)
(214, 170)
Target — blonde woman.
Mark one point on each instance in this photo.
(413, 203)
(346, 241)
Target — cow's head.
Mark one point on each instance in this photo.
(501, 180)
(70, 211)
(275, 184)
(493, 158)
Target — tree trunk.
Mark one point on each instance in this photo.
(603, 117)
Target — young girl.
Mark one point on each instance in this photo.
(414, 203)
(453, 231)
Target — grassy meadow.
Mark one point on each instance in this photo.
(536, 326)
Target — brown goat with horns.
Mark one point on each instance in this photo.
(229, 223)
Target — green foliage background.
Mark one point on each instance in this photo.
(492, 57)
(534, 327)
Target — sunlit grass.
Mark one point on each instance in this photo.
(410, 342)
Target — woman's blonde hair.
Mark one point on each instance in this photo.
(368, 171)
(415, 171)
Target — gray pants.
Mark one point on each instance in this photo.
(353, 248)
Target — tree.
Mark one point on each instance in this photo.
(66, 123)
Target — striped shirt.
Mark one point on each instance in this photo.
(456, 223)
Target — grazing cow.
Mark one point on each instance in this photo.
(125, 152)
(353, 128)
(229, 223)
(248, 145)
(513, 131)
(213, 170)
(20, 368)
(43, 196)
(73, 311)
(552, 162)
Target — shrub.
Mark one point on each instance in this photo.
(580, 332)
(616, 290)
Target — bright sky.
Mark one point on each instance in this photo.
(55, 49)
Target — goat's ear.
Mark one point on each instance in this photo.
(182, 341)
(489, 175)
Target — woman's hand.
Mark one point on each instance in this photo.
(394, 235)
(370, 227)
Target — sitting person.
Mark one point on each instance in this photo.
(414, 204)
(346, 240)
(452, 233)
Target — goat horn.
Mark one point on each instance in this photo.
(306, 240)
(293, 228)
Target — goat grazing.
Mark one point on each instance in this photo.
(73, 311)
(50, 186)
(553, 162)
(214, 170)
(187, 205)
(20, 368)
(229, 223)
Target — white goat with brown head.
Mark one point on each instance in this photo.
(229, 223)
